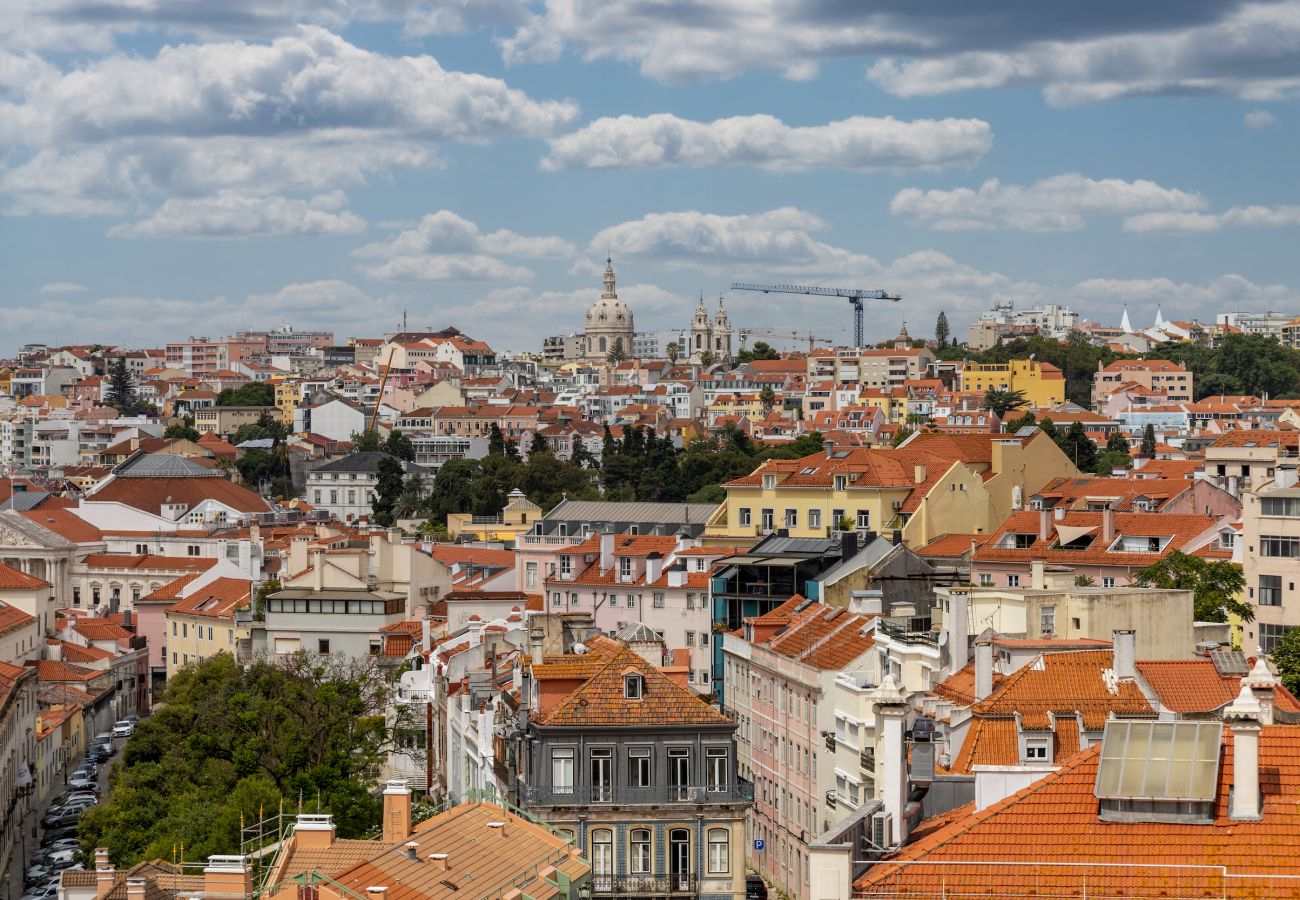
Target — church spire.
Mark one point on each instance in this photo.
(1124, 322)
(609, 278)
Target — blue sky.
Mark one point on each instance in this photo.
(175, 167)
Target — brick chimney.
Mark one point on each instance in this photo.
(397, 810)
(105, 874)
(313, 832)
(135, 888)
(227, 876)
(1107, 526)
(1243, 717)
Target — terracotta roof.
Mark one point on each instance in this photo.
(53, 670)
(95, 629)
(13, 580)
(65, 523)
(149, 494)
(1183, 529)
(1054, 821)
(75, 653)
(11, 618)
(600, 700)
(960, 686)
(217, 599)
(949, 545)
(149, 561)
(824, 637)
(171, 590)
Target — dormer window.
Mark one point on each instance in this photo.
(769, 482)
(625, 568)
(633, 686)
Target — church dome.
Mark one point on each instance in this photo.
(609, 312)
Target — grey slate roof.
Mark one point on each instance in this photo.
(614, 511)
(367, 463)
(164, 465)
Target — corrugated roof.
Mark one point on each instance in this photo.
(635, 513)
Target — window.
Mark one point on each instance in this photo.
(76, 596)
(1287, 547)
(690, 639)
(141, 549)
(566, 566)
(769, 482)
(602, 853)
(631, 601)
(1270, 590)
(719, 851)
(746, 517)
(704, 640)
(716, 769)
(1036, 750)
(555, 599)
(602, 773)
(1269, 635)
(658, 601)
(638, 767)
(679, 773)
(173, 629)
(193, 549)
(1108, 582)
(986, 579)
(767, 520)
(814, 518)
(792, 518)
(841, 482)
(1013, 581)
(864, 518)
(562, 770)
(185, 630)
(323, 647)
(530, 575)
(1047, 621)
(375, 646)
(690, 601)
(633, 685)
(639, 850)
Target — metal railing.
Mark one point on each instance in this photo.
(906, 632)
(643, 885)
(741, 791)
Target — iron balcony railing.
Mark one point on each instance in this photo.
(584, 795)
(914, 630)
(643, 885)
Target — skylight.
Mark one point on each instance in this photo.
(1159, 761)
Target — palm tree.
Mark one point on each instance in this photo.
(673, 350)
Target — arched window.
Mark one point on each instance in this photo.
(698, 338)
(719, 851)
(603, 348)
(639, 845)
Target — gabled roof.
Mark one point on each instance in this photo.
(13, 580)
(150, 493)
(217, 599)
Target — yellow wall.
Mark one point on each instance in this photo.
(1015, 375)
(189, 642)
(879, 503)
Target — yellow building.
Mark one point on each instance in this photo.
(933, 484)
(1042, 383)
(894, 406)
(60, 739)
(748, 405)
(203, 624)
(6, 380)
(517, 517)
(288, 394)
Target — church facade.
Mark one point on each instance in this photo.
(711, 337)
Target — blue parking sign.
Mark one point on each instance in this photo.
(759, 845)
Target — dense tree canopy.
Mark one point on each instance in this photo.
(1286, 656)
(229, 741)
(1216, 583)
(255, 393)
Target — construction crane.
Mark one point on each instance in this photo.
(854, 296)
(791, 334)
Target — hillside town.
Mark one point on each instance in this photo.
(294, 614)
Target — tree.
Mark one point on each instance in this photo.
(410, 501)
(366, 442)
(941, 330)
(266, 428)
(255, 393)
(452, 490)
(617, 353)
(538, 445)
(183, 430)
(706, 358)
(1079, 448)
(498, 445)
(1115, 456)
(1148, 440)
(387, 489)
(673, 351)
(399, 445)
(1014, 425)
(1084, 581)
(1001, 402)
(1216, 584)
(760, 350)
(902, 435)
(228, 741)
(1286, 656)
(121, 387)
(767, 397)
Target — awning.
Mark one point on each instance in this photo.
(1070, 533)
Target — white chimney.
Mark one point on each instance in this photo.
(426, 636)
(654, 565)
(606, 550)
(1263, 684)
(1124, 653)
(1243, 717)
(984, 664)
(891, 722)
(1038, 574)
(958, 623)
(318, 569)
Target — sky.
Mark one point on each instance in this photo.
(184, 167)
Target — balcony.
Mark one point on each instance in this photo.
(643, 885)
(912, 630)
(613, 795)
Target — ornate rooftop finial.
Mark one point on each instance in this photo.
(609, 277)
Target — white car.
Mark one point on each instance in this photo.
(122, 729)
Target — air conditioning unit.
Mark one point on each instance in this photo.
(882, 829)
(898, 504)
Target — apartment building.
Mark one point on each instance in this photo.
(1271, 563)
(1172, 379)
(1245, 460)
(203, 624)
(1042, 383)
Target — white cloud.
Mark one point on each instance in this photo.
(1236, 217)
(63, 287)
(308, 112)
(239, 216)
(1060, 203)
(1260, 118)
(780, 240)
(448, 247)
(860, 143)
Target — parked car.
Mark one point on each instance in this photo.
(90, 765)
(105, 739)
(65, 858)
(755, 888)
(84, 772)
(37, 874)
(68, 796)
(99, 753)
(61, 844)
(44, 892)
(68, 829)
(133, 718)
(83, 782)
(123, 728)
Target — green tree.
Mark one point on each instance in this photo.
(387, 490)
(267, 427)
(1001, 402)
(410, 502)
(1286, 656)
(673, 351)
(121, 386)
(452, 490)
(767, 397)
(399, 445)
(706, 358)
(1148, 440)
(366, 442)
(1216, 584)
(183, 430)
(499, 445)
(903, 434)
(941, 330)
(255, 393)
(1013, 425)
(1084, 581)
(760, 350)
(1079, 448)
(617, 353)
(538, 445)
(493, 481)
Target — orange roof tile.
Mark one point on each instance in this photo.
(13, 580)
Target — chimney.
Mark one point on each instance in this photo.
(1124, 653)
(498, 826)
(1107, 526)
(984, 664)
(1243, 717)
(439, 861)
(1038, 574)
(829, 447)
(135, 888)
(654, 565)
(918, 474)
(313, 832)
(1044, 524)
(684, 542)
(105, 875)
(426, 637)
(397, 810)
(891, 721)
(898, 537)
(411, 850)
(1263, 684)
(848, 545)
(318, 569)
(606, 549)
(958, 624)
(227, 876)
(126, 619)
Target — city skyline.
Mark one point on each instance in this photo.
(170, 170)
